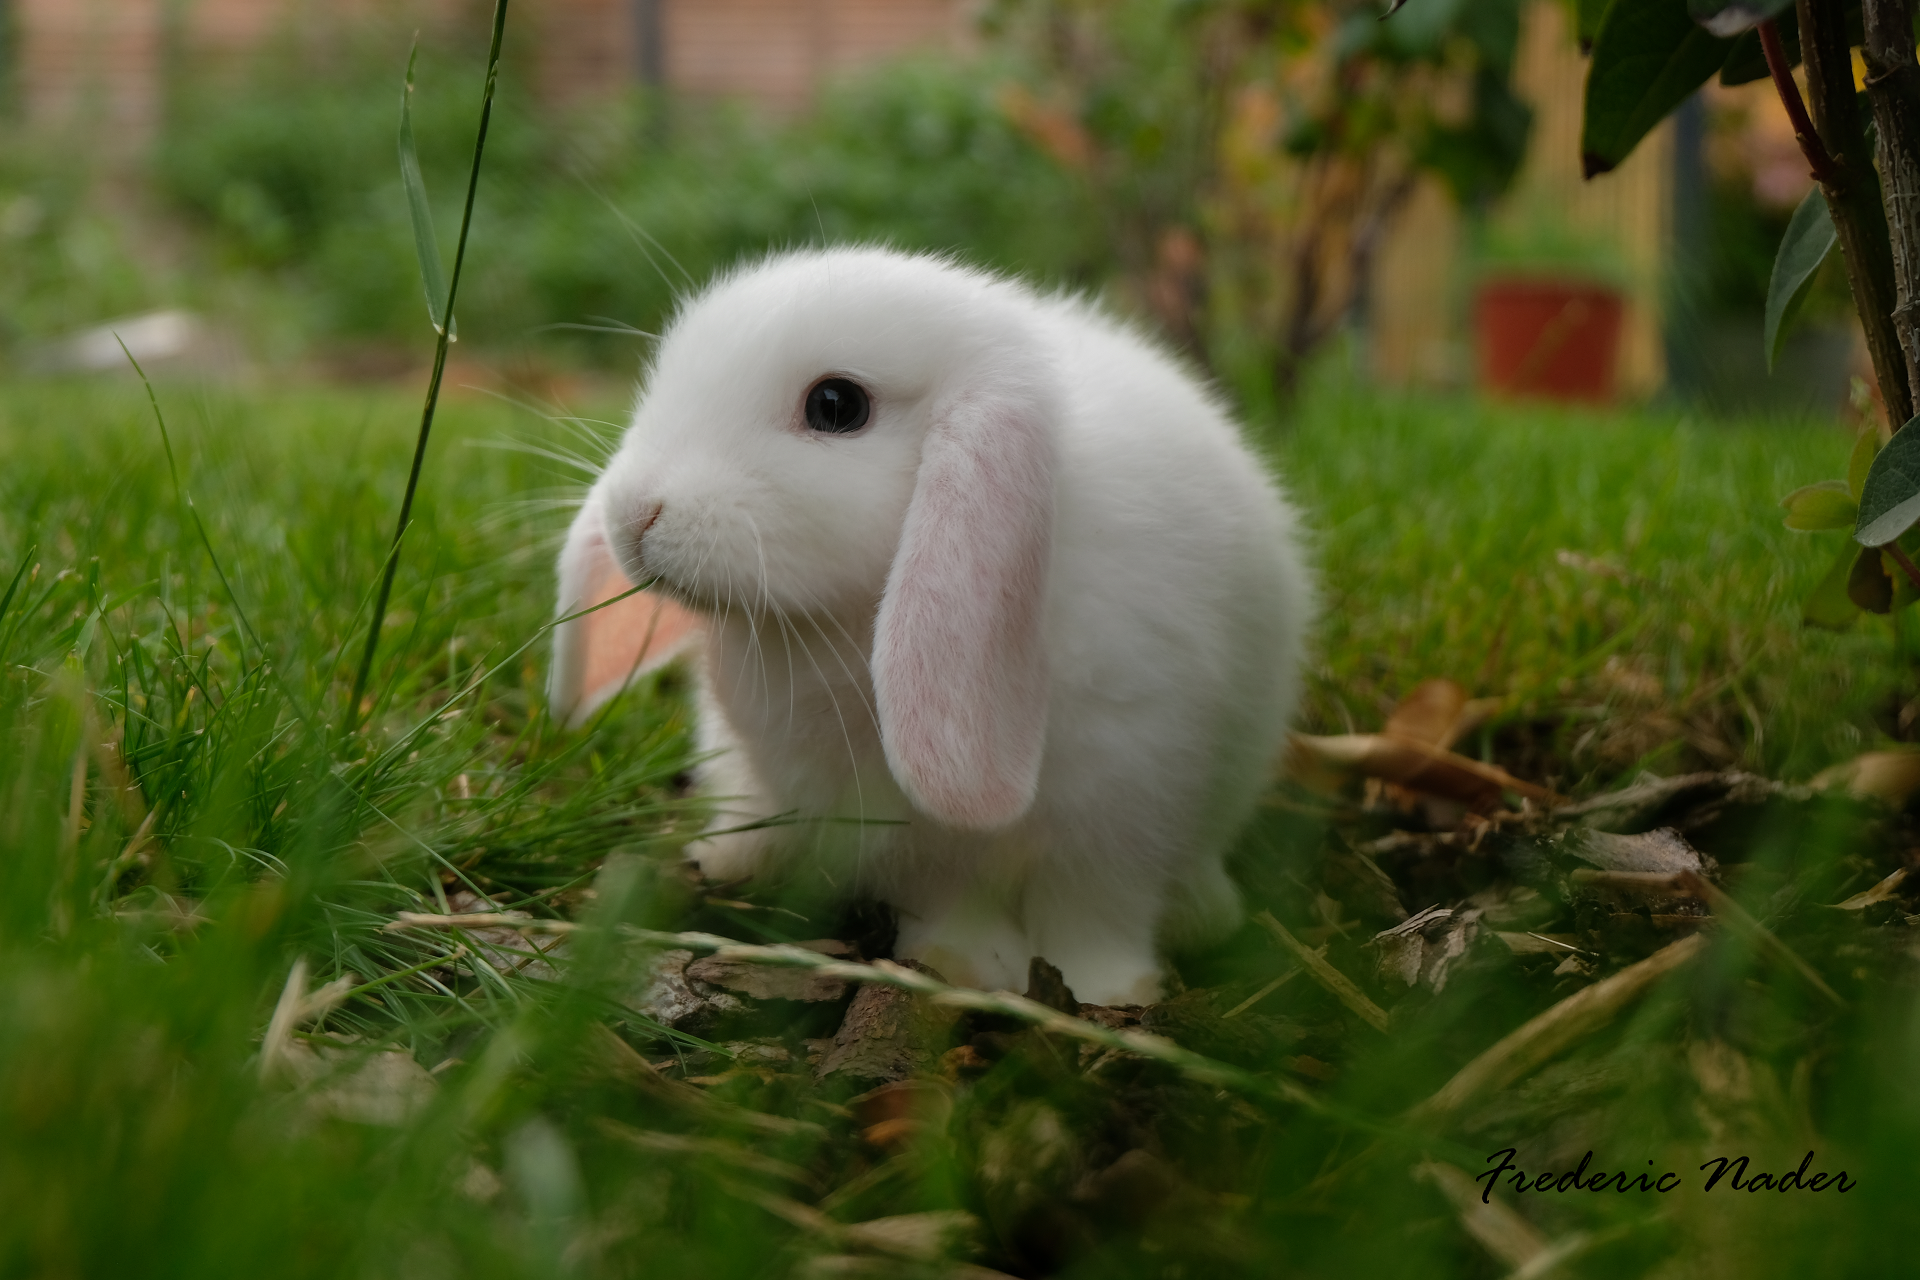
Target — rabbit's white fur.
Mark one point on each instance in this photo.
(1029, 640)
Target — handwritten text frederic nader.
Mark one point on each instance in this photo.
(1733, 1169)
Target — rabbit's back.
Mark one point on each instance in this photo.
(1178, 599)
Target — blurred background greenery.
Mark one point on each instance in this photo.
(1262, 182)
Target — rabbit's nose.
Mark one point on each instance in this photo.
(631, 529)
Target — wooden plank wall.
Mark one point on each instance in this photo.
(92, 64)
(772, 53)
(1425, 280)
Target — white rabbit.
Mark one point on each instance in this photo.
(993, 606)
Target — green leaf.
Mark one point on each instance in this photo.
(1867, 582)
(1731, 19)
(1826, 505)
(1648, 58)
(425, 246)
(1809, 239)
(1828, 605)
(1865, 448)
(1890, 498)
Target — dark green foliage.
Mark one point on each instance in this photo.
(1890, 499)
(1648, 58)
(590, 219)
(1479, 156)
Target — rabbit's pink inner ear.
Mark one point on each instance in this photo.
(959, 671)
(639, 634)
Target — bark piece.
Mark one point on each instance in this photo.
(888, 1034)
(1048, 986)
(1893, 90)
(766, 982)
(673, 1001)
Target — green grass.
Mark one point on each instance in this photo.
(1622, 580)
(181, 819)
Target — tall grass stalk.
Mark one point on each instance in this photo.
(444, 328)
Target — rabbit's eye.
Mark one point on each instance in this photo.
(837, 406)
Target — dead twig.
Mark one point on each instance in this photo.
(1725, 908)
(1194, 1066)
(1545, 1037)
(1325, 974)
(1692, 884)
(1500, 1230)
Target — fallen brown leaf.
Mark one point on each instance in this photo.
(1430, 714)
(1418, 766)
(1888, 776)
(1882, 892)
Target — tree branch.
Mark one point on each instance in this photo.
(1907, 566)
(1824, 168)
(1853, 195)
(1893, 89)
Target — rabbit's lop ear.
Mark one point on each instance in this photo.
(959, 672)
(599, 654)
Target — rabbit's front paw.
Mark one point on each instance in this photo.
(724, 857)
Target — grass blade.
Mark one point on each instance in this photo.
(439, 369)
(426, 245)
(6, 601)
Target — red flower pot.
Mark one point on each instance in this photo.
(1557, 339)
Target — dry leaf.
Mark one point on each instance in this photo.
(1888, 776)
(1421, 950)
(1665, 850)
(1417, 766)
(1882, 892)
(1430, 714)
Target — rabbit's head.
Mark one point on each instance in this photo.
(867, 435)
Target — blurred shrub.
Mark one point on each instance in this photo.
(63, 262)
(602, 214)
(1251, 155)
